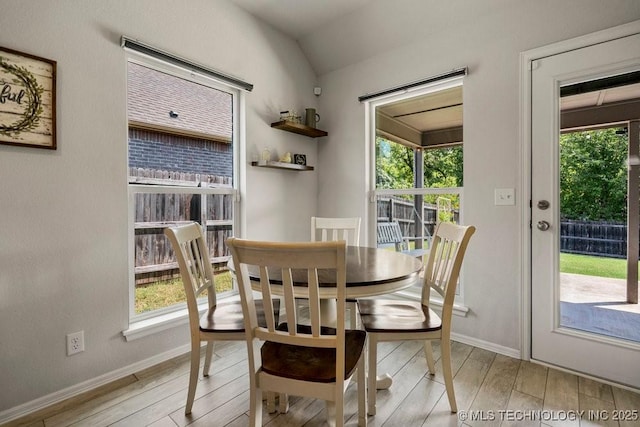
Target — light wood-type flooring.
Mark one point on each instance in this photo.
(491, 390)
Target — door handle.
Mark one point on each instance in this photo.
(543, 205)
(543, 225)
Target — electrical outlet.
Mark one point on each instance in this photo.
(75, 343)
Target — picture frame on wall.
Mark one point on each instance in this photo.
(27, 100)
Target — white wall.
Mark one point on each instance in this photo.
(63, 228)
(489, 43)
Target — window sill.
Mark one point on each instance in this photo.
(156, 324)
(142, 328)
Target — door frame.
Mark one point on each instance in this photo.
(526, 66)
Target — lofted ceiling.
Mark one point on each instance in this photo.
(334, 34)
(298, 18)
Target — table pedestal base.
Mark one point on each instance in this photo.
(328, 312)
(383, 382)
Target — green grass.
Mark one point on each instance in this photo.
(166, 293)
(593, 266)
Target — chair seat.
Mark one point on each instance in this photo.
(228, 318)
(311, 363)
(397, 316)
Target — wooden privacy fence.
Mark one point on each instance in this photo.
(154, 211)
(607, 239)
(401, 210)
(597, 238)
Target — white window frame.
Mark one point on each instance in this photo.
(143, 324)
(413, 292)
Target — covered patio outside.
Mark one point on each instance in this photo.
(598, 305)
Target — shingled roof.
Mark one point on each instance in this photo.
(201, 111)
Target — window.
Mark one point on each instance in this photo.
(417, 153)
(183, 132)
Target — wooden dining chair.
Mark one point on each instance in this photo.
(220, 321)
(307, 359)
(398, 320)
(329, 229)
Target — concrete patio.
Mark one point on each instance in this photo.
(598, 305)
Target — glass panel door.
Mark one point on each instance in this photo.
(562, 321)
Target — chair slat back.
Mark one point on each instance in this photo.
(334, 229)
(294, 267)
(449, 244)
(192, 255)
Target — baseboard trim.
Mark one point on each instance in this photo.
(77, 389)
(486, 345)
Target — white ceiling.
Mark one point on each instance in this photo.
(298, 18)
(334, 34)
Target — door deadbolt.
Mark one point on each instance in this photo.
(543, 225)
(543, 205)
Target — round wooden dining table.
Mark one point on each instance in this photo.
(370, 272)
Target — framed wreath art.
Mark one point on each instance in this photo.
(27, 100)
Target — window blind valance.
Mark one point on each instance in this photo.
(153, 52)
(453, 73)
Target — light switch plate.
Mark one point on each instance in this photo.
(505, 196)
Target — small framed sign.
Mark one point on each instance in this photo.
(300, 159)
(27, 100)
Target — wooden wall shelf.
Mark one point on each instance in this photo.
(299, 129)
(281, 165)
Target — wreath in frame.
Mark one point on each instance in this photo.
(31, 116)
